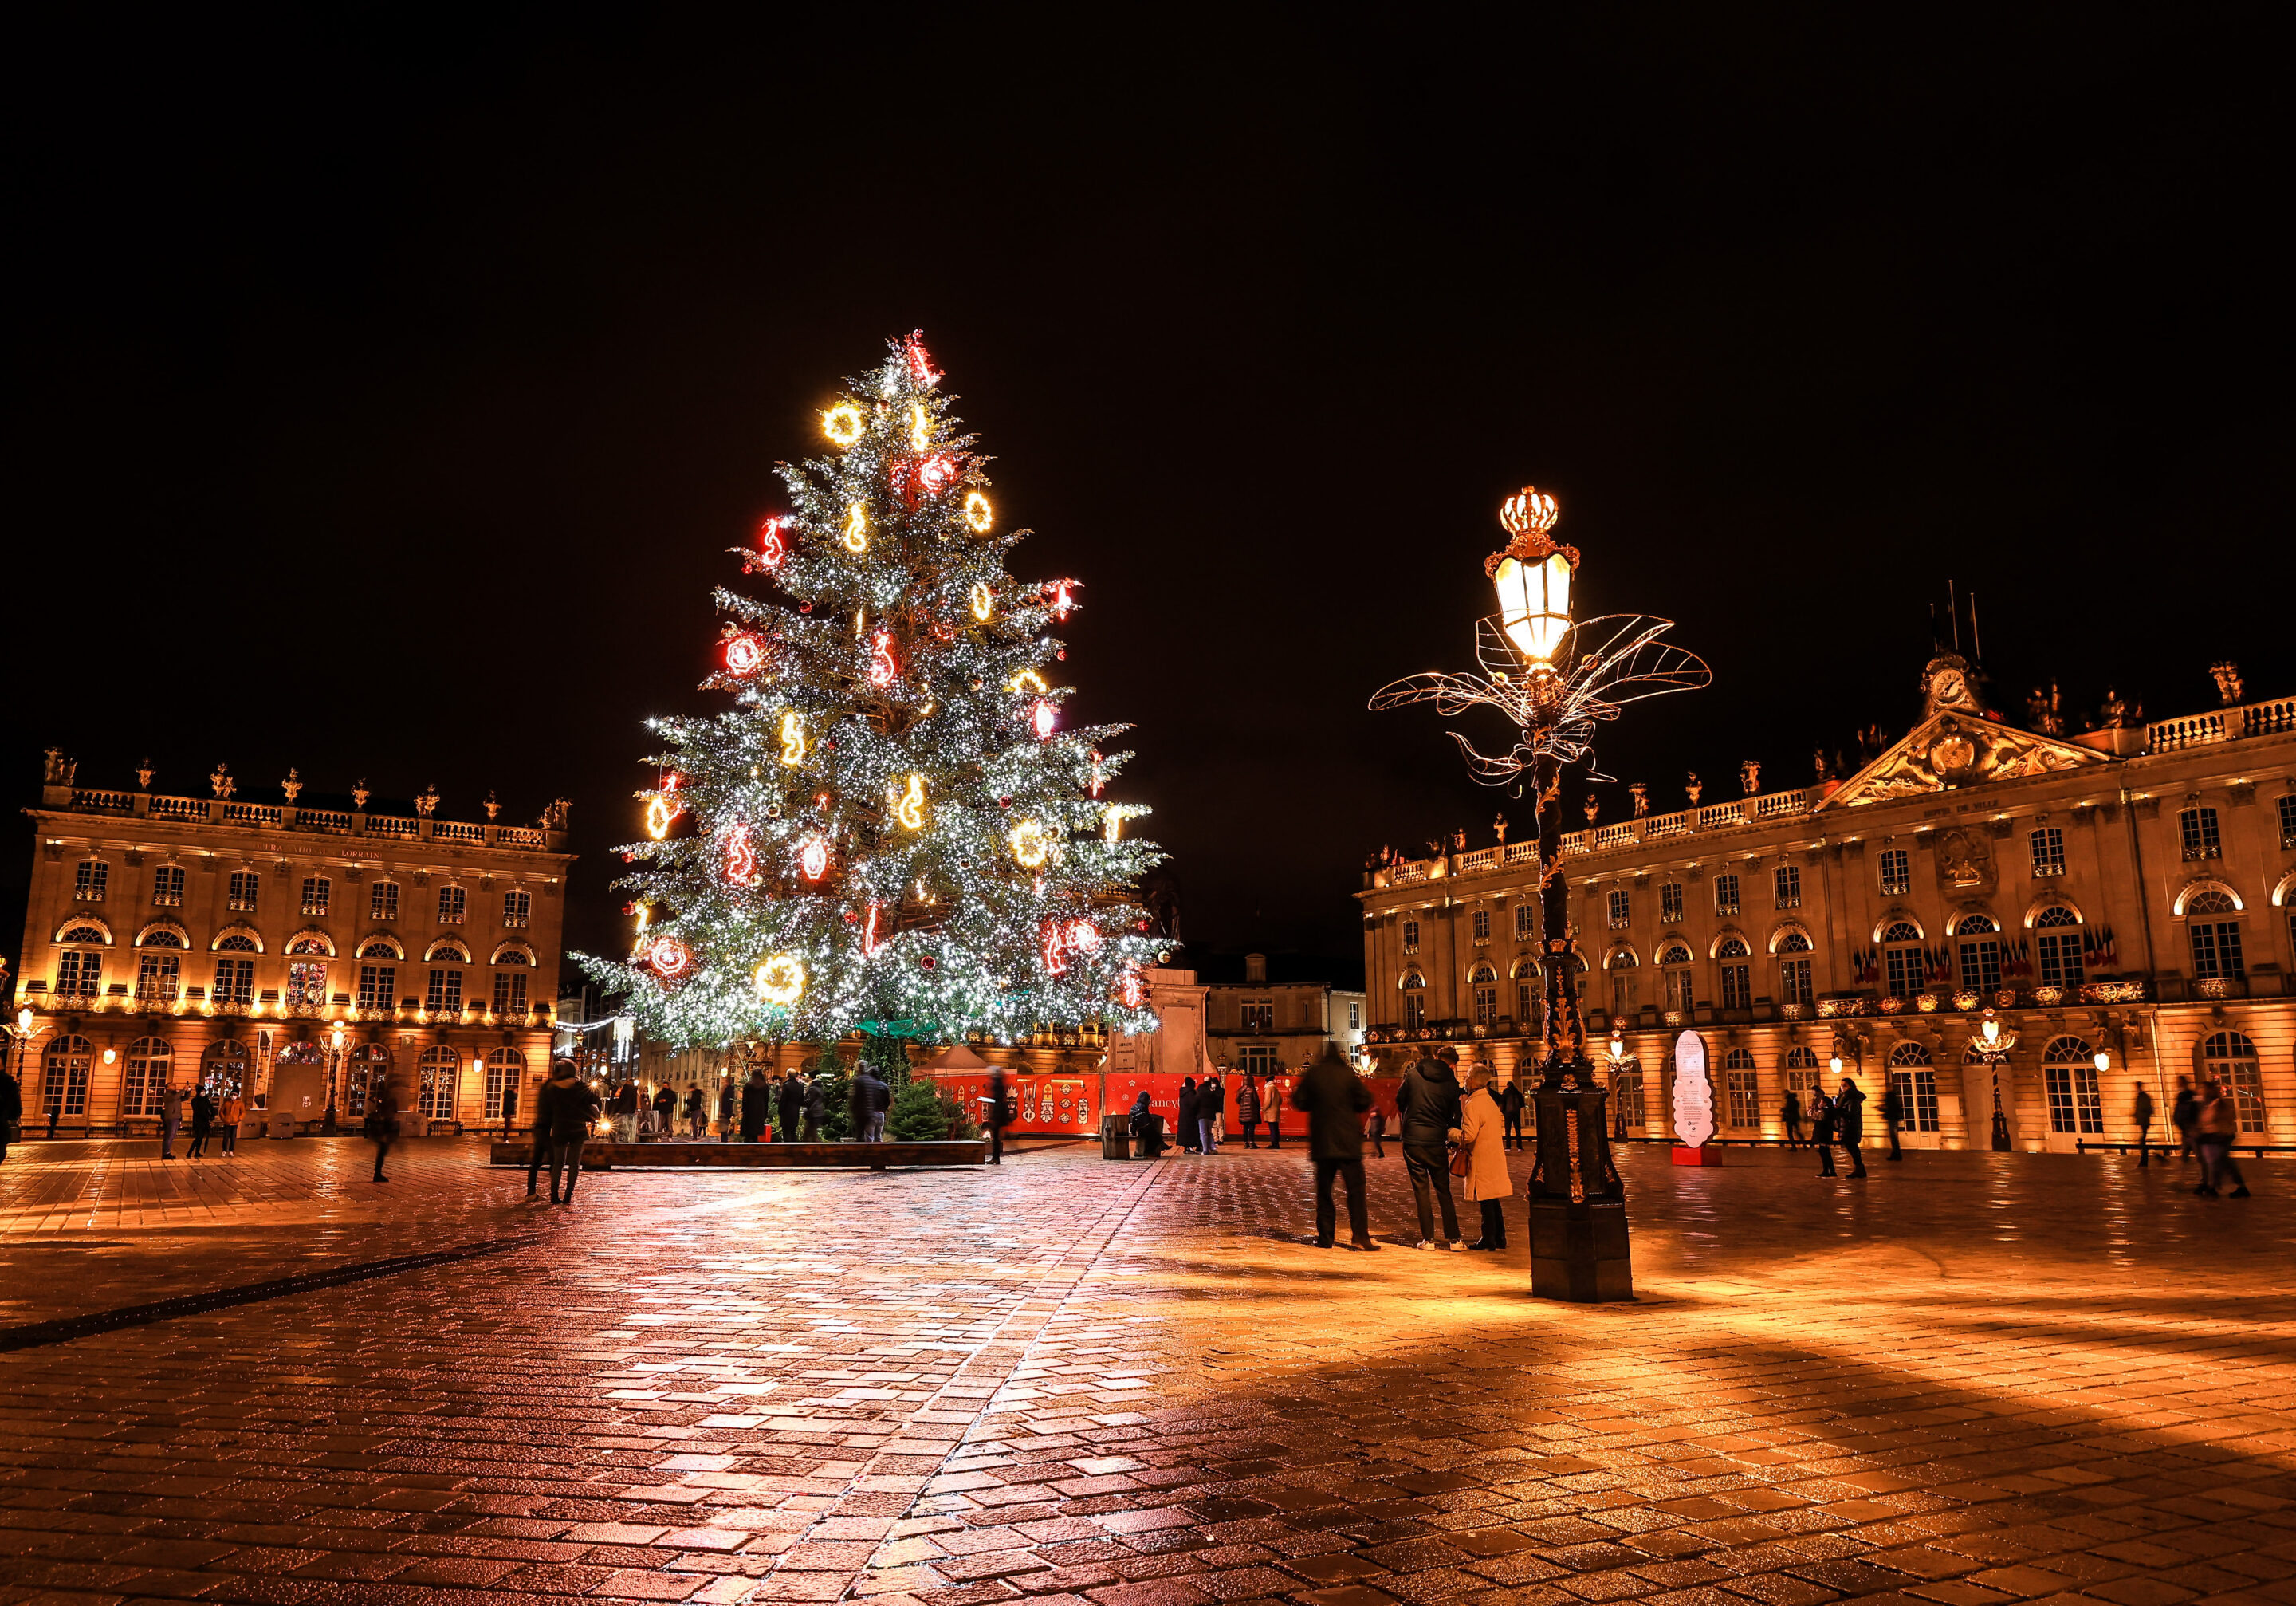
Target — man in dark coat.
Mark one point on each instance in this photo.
(1334, 1098)
(993, 1114)
(790, 1108)
(1893, 1112)
(665, 1111)
(729, 1109)
(1211, 1103)
(1429, 1104)
(1821, 1130)
(871, 1098)
(1849, 1123)
(564, 1111)
(204, 1113)
(1510, 1103)
(1789, 1114)
(816, 1105)
(540, 1154)
(757, 1105)
(1189, 1131)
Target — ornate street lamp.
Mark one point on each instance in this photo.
(1554, 680)
(1990, 1048)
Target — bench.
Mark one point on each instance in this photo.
(605, 1154)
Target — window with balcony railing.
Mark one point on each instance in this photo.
(1525, 922)
(1621, 910)
(79, 973)
(159, 979)
(234, 983)
(317, 890)
(453, 904)
(378, 986)
(2049, 847)
(518, 909)
(382, 903)
(1788, 886)
(2288, 820)
(245, 885)
(1726, 894)
(510, 993)
(2196, 830)
(1411, 936)
(167, 886)
(444, 995)
(1669, 903)
(1481, 923)
(1896, 872)
(89, 879)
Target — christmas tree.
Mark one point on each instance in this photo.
(889, 829)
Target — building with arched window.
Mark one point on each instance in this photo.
(268, 938)
(2131, 887)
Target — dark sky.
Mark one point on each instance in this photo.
(386, 391)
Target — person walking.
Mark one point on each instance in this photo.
(729, 1109)
(871, 1098)
(757, 1105)
(538, 1156)
(11, 1111)
(2215, 1129)
(2185, 1116)
(1334, 1099)
(203, 1113)
(564, 1111)
(1428, 1103)
(1510, 1103)
(382, 1125)
(171, 1119)
(696, 1111)
(1481, 1134)
(1211, 1103)
(2141, 1113)
(1849, 1123)
(1190, 1131)
(1377, 1123)
(1147, 1128)
(816, 1104)
(1893, 1110)
(1790, 1117)
(627, 1104)
(790, 1107)
(1821, 1130)
(229, 1113)
(665, 1110)
(995, 1112)
(510, 1107)
(1247, 1110)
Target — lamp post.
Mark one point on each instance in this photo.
(1554, 678)
(1991, 1047)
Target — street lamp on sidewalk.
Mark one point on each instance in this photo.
(1554, 678)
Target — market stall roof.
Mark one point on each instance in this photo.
(956, 1058)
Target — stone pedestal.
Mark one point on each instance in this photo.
(1580, 1251)
(1578, 1246)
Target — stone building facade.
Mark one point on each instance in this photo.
(2130, 891)
(1264, 1026)
(302, 955)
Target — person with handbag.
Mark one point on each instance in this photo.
(382, 1126)
(1428, 1103)
(1480, 1158)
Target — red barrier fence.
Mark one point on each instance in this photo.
(1072, 1106)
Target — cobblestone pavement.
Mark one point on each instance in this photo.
(1970, 1378)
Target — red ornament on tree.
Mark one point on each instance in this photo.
(744, 652)
(921, 368)
(773, 543)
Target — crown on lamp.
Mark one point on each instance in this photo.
(1533, 576)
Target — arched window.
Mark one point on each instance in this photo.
(223, 1070)
(1905, 967)
(1980, 946)
(1742, 1090)
(1485, 981)
(2060, 944)
(148, 1067)
(2230, 1058)
(1792, 940)
(1914, 1079)
(1901, 931)
(1415, 1001)
(1621, 962)
(1737, 973)
(1620, 958)
(506, 1071)
(365, 1070)
(80, 970)
(84, 933)
(514, 953)
(63, 1083)
(312, 942)
(237, 943)
(381, 948)
(1792, 946)
(447, 951)
(1677, 973)
(1673, 953)
(2214, 935)
(2208, 900)
(163, 934)
(1530, 996)
(441, 1069)
(2069, 1072)
(1800, 1073)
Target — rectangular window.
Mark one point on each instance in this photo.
(141, 1082)
(1622, 994)
(2061, 958)
(64, 1089)
(1908, 975)
(158, 978)
(1917, 1099)
(1738, 986)
(499, 1075)
(1487, 1006)
(382, 902)
(2196, 829)
(79, 974)
(1627, 1096)
(1260, 1059)
(1669, 903)
(1355, 1018)
(1483, 925)
(510, 992)
(2048, 845)
(378, 987)
(1981, 965)
(452, 904)
(1260, 1013)
(1526, 1006)
(244, 887)
(2288, 820)
(2074, 1103)
(1681, 993)
(1788, 880)
(518, 909)
(1794, 982)
(1411, 936)
(2215, 950)
(234, 982)
(1621, 910)
(88, 880)
(1745, 1098)
(167, 886)
(316, 891)
(1525, 922)
(306, 983)
(444, 996)
(1726, 894)
(1415, 1011)
(1896, 872)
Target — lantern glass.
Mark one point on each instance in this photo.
(1992, 1030)
(1837, 1065)
(1535, 604)
(2103, 1062)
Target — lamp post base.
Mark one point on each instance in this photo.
(1580, 1251)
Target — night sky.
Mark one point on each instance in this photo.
(386, 392)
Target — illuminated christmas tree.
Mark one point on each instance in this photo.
(889, 829)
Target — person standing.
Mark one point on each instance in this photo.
(1247, 1110)
(1821, 1130)
(1189, 1131)
(1334, 1099)
(816, 1104)
(1211, 1102)
(510, 1106)
(626, 1113)
(995, 1114)
(1428, 1103)
(665, 1110)
(789, 1106)
(171, 1120)
(11, 1111)
(1377, 1123)
(382, 1125)
(1849, 1123)
(757, 1105)
(696, 1111)
(203, 1114)
(2185, 1116)
(2141, 1113)
(1790, 1117)
(564, 1111)
(1481, 1132)
(1510, 1103)
(229, 1114)
(729, 1109)
(1893, 1110)
(871, 1098)
(2215, 1128)
(540, 1154)
(1271, 1108)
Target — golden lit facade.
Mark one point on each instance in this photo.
(302, 956)
(2130, 892)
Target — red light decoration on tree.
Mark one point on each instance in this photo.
(1083, 936)
(881, 667)
(921, 368)
(772, 542)
(1063, 601)
(1042, 719)
(1055, 948)
(671, 959)
(937, 472)
(740, 857)
(870, 943)
(744, 653)
(813, 857)
(1132, 991)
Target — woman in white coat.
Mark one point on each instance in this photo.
(1481, 1135)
